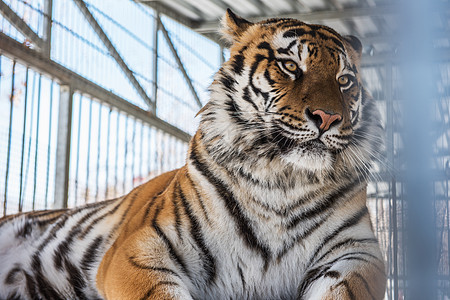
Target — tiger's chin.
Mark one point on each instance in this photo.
(309, 160)
(311, 156)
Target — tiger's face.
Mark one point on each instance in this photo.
(290, 90)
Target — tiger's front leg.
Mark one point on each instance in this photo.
(353, 275)
(137, 270)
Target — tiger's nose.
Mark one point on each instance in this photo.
(324, 120)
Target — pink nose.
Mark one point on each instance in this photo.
(327, 119)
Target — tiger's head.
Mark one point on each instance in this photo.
(291, 92)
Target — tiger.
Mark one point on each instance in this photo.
(271, 203)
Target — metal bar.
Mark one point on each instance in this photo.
(112, 50)
(8, 156)
(108, 138)
(164, 8)
(49, 144)
(23, 140)
(222, 56)
(30, 136)
(116, 171)
(21, 25)
(63, 147)
(124, 187)
(133, 157)
(141, 149)
(77, 164)
(47, 38)
(99, 134)
(88, 150)
(155, 63)
(149, 161)
(180, 64)
(392, 184)
(36, 150)
(15, 50)
(210, 27)
(420, 93)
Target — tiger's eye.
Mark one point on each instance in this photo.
(290, 66)
(343, 80)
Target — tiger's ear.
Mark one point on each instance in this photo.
(233, 26)
(355, 43)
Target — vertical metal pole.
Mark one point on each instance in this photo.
(47, 183)
(88, 150)
(25, 106)
(36, 149)
(48, 11)
(108, 136)
(63, 147)
(116, 159)
(126, 154)
(222, 56)
(99, 141)
(419, 94)
(8, 157)
(392, 184)
(77, 165)
(155, 63)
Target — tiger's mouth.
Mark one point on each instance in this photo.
(286, 144)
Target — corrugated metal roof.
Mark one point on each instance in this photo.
(370, 20)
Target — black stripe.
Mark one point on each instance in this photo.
(76, 279)
(209, 263)
(91, 254)
(232, 205)
(31, 286)
(268, 47)
(287, 50)
(353, 220)
(316, 273)
(177, 259)
(149, 206)
(309, 278)
(45, 288)
(365, 283)
(303, 235)
(348, 242)
(155, 287)
(237, 63)
(315, 31)
(275, 99)
(133, 196)
(65, 246)
(11, 276)
(176, 211)
(325, 205)
(296, 32)
(246, 96)
(233, 109)
(14, 296)
(349, 291)
(228, 82)
(241, 275)
(199, 198)
(133, 262)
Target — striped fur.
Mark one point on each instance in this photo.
(268, 205)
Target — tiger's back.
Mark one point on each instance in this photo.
(55, 254)
(271, 203)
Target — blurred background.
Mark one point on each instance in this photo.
(98, 96)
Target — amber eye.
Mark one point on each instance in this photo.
(290, 66)
(344, 80)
